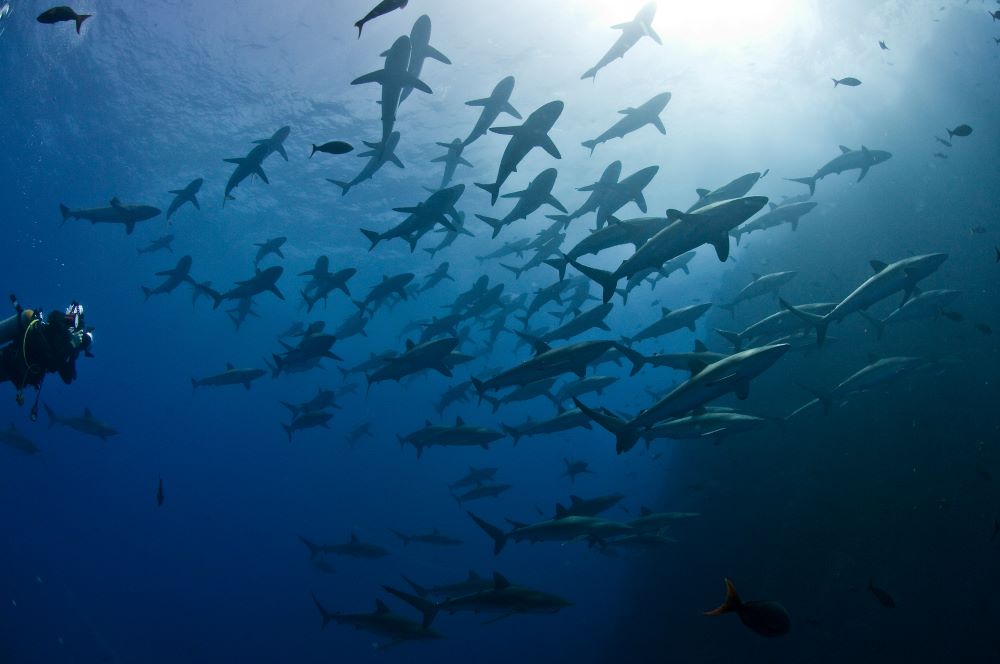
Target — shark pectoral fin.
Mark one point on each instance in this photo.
(550, 147)
(510, 110)
(721, 245)
(551, 200)
(412, 81)
(437, 55)
(129, 227)
(260, 173)
(640, 201)
(235, 160)
(194, 202)
(864, 172)
(395, 160)
(505, 131)
(373, 77)
(652, 34)
(281, 151)
(658, 123)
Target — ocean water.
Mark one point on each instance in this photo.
(897, 486)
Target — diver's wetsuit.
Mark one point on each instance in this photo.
(40, 348)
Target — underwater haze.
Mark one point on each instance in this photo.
(282, 476)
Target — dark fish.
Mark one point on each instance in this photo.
(978, 230)
(995, 15)
(953, 316)
(940, 155)
(984, 328)
(942, 141)
(384, 7)
(884, 598)
(60, 14)
(332, 147)
(159, 494)
(882, 45)
(763, 617)
(960, 130)
(849, 81)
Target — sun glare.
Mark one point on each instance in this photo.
(715, 24)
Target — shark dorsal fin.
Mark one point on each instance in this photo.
(499, 582)
(645, 511)
(354, 538)
(664, 311)
(473, 576)
(576, 499)
(87, 413)
(427, 423)
(561, 512)
(702, 193)
(755, 275)
(410, 345)
(699, 346)
(844, 149)
(380, 607)
(878, 266)
(229, 366)
(459, 422)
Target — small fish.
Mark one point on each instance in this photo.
(978, 230)
(984, 328)
(997, 40)
(942, 141)
(849, 81)
(995, 15)
(953, 316)
(882, 45)
(332, 147)
(382, 8)
(763, 617)
(60, 14)
(960, 130)
(940, 155)
(159, 494)
(884, 598)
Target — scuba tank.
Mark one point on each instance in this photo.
(13, 328)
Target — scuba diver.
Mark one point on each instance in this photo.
(33, 345)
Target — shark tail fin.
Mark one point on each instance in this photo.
(496, 224)
(732, 337)
(427, 608)
(372, 236)
(498, 536)
(591, 144)
(418, 589)
(344, 186)
(80, 18)
(590, 73)
(66, 213)
(637, 359)
(559, 264)
(492, 189)
(821, 323)
(730, 604)
(405, 539)
(146, 291)
(327, 616)
(605, 279)
(564, 219)
(314, 549)
(288, 430)
(809, 182)
(512, 432)
(51, 414)
(825, 398)
(835, 82)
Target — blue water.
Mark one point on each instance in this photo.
(897, 486)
